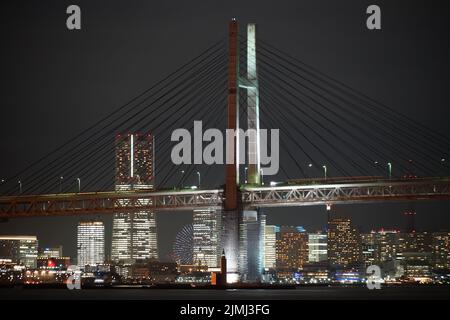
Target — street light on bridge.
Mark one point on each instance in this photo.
(182, 176)
(198, 173)
(20, 186)
(245, 170)
(262, 176)
(390, 170)
(79, 184)
(324, 171)
(60, 183)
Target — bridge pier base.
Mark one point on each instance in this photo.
(230, 242)
(251, 245)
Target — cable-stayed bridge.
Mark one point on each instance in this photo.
(330, 134)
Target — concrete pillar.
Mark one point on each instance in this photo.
(253, 108)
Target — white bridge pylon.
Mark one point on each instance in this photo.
(250, 83)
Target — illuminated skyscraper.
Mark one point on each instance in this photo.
(270, 257)
(386, 246)
(292, 249)
(368, 248)
(317, 247)
(19, 249)
(134, 161)
(381, 248)
(207, 246)
(343, 243)
(416, 254)
(441, 250)
(90, 243)
(134, 234)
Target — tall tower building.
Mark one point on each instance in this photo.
(270, 241)
(343, 244)
(207, 245)
(19, 249)
(134, 234)
(368, 248)
(386, 246)
(416, 253)
(90, 243)
(317, 247)
(441, 250)
(292, 249)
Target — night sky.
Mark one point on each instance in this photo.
(57, 82)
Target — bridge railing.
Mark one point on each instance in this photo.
(387, 190)
(107, 202)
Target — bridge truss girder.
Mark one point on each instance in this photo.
(274, 196)
(346, 193)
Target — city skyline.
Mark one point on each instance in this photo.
(400, 254)
(349, 156)
(370, 56)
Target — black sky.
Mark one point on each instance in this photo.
(57, 82)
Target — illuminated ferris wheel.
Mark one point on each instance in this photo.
(183, 247)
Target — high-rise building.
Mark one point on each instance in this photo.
(381, 248)
(343, 243)
(317, 247)
(134, 235)
(207, 245)
(291, 249)
(251, 245)
(415, 254)
(368, 249)
(415, 242)
(134, 160)
(19, 249)
(90, 243)
(441, 250)
(270, 245)
(386, 246)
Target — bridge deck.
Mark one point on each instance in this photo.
(280, 195)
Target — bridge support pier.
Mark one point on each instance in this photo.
(242, 230)
(230, 214)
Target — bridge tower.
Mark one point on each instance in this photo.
(232, 169)
(251, 84)
(230, 214)
(242, 228)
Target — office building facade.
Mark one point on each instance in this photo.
(19, 249)
(344, 250)
(291, 249)
(90, 243)
(270, 246)
(206, 242)
(134, 235)
(317, 247)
